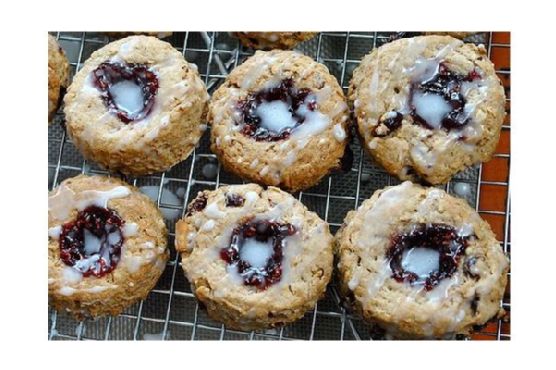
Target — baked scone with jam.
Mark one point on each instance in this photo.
(279, 119)
(255, 258)
(273, 40)
(419, 263)
(428, 107)
(136, 107)
(58, 75)
(107, 246)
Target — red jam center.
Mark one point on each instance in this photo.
(128, 90)
(287, 93)
(92, 243)
(430, 241)
(254, 235)
(447, 85)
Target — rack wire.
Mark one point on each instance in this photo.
(171, 310)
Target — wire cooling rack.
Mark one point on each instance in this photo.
(171, 311)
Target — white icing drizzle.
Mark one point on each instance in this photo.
(421, 261)
(465, 230)
(130, 229)
(66, 290)
(431, 107)
(256, 253)
(208, 226)
(275, 115)
(128, 47)
(133, 263)
(71, 276)
(315, 122)
(212, 211)
(353, 282)
(339, 132)
(264, 171)
(54, 232)
(190, 240)
(251, 197)
(440, 292)
(128, 96)
(91, 243)
(265, 61)
(375, 285)
(61, 203)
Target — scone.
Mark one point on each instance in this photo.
(136, 107)
(420, 263)
(106, 246)
(279, 119)
(272, 40)
(427, 107)
(58, 75)
(255, 258)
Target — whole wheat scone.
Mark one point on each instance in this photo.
(273, 40)
(137, 106)
(58, 75)
(255, 258)
(427, 107)
(279, 119)
(118, 34)
(420, 263)
(107, 246)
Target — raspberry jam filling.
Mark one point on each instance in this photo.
(256, 248)
(128, 90)
(438, 102)
(197, 205)
(389, 121)
(92, 243)
(272, 114)
(426, 255)
(234, 200)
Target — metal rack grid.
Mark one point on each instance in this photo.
(171, 311)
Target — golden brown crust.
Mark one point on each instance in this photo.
(457, 304)
(143, 257)
(295, 163)
(273, 40)
(413, 151)
(58, 75)
(165, 137)
(307, 263)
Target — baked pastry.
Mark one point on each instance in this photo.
(106, 246)
(420, 263)
(58, 75)
(280, 119)
(255, 258)
(427, 107)
(272, 40)
(136, 106)
(118, 34)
